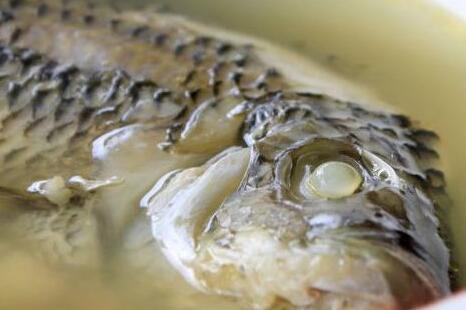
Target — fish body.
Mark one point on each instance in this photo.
(262, 192)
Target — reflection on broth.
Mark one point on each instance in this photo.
(103, 251)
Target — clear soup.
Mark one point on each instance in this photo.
(410, 54)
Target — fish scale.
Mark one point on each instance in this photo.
(73, 111)
(226, 69)
(180, 45)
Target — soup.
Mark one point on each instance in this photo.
(389, 48)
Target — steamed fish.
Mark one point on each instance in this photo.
(255, 188)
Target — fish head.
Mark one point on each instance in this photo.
(324, 206)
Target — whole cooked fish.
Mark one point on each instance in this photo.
(262, 192)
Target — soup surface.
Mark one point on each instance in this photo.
(409, 56)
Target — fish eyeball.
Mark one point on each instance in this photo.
(334, 179)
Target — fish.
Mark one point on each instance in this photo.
(251, 187)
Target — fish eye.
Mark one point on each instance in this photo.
(330, 169)
(333, 180)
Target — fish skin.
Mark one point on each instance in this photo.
(60, 98)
